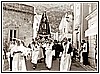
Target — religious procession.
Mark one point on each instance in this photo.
(49, 37)
(38, 51)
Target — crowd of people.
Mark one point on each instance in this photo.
(47, 51)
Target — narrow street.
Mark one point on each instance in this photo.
(55, 66)
(63, 31)
(76, 67)
(41, 66)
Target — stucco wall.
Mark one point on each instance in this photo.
(20, 20)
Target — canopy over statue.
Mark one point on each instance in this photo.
(44, 28)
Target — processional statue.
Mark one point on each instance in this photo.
(44, 28)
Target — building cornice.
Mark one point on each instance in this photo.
(91, 15)
(18, 8)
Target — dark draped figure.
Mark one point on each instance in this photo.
(44, 28)
(44, 31)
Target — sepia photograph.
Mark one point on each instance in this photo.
(49, 36)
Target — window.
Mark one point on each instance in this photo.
(12, 34)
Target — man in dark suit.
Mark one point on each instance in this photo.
(57, 49)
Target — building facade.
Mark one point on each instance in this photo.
(85, 28)
(76, 26)
(17, 22)
(64, 27)
(80, 23)
(92, 33)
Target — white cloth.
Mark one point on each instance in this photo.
(28, 53)
(60, 54)
(81, 57)
(65, 62)
(53, 53)
(35, 54)
(32, 46)
(65, 59)
(13, 50)
(11, 46)
(44, 45)
(71, 53)
(18, 63)
(40, 52)
(49, 56)
(29, 56)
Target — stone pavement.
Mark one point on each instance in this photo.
(76, 66)
(55, 66)
(41, 66)
(87, 67)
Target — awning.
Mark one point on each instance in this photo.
(93, 30)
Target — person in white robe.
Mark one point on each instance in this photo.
(18, 63)
(40, 52)
(10, 52)
(35, 55)
(30, 50)
(49, 55)
(31, 46)
(28, 54)
(65, 62)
